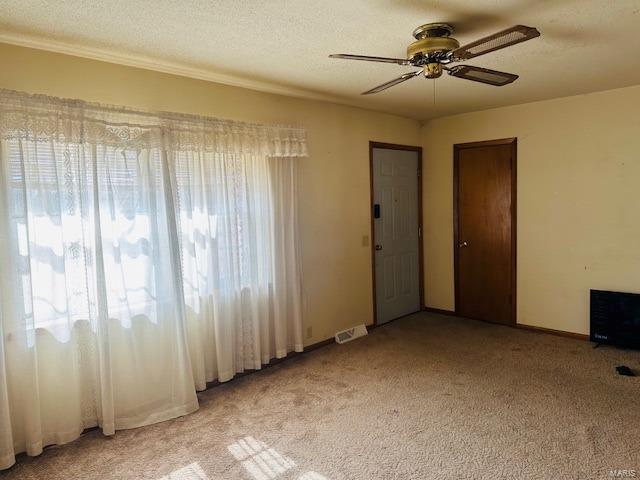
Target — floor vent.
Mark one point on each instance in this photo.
(351, 334)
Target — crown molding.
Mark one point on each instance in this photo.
(173, 68)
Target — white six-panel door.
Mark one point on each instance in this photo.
(396, 233)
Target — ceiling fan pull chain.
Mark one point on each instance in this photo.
(434, 93)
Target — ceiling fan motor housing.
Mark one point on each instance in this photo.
(431, 47)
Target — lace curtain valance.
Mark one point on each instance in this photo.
(43, 118)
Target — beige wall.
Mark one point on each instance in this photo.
(578, 183)
(334, 181)
(578, 201)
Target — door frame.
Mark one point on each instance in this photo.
(410, 148)
(513, 141)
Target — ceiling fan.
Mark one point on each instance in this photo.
(434, 49)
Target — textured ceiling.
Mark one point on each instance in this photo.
(282, 45)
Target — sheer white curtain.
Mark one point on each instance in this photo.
(237, 218)
(142, 255)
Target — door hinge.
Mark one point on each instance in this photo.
(419, 231)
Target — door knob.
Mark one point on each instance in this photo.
(463, 244)
(378, 247)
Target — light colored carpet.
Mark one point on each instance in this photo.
(426, 397)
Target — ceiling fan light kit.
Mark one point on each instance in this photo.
(434, 49)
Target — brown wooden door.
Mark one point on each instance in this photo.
(484, 184)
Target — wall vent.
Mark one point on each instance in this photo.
(351, 334)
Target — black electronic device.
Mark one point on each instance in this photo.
(615, 318)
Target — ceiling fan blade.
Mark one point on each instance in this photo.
(482, 75)
(393, 82)
(503, 39)
(346, 56)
